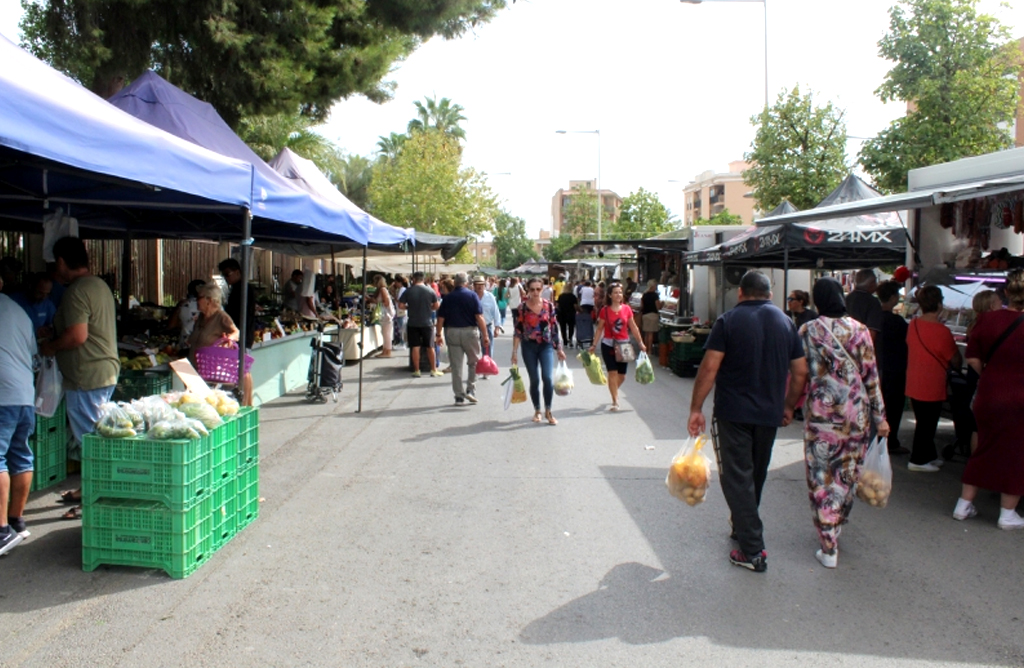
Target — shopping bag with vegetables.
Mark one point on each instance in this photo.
(644, 369)
(515, 381)
(592, 365)
(563, 379)
(690, 472)
(875, 482)
(114, 422)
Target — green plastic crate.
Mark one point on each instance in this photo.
(138, 384)
(687, 351)
(50, 449)
(225, 451)
(225, 512)
(177, 473)
(248, 442)
(247, 496)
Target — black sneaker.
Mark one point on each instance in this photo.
(18, 526)
(9, 540)
(757, 563)
(471, 398)
(459, 401)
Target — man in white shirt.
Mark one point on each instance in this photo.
(17, 419)
(547, 293)
(492, 316)
(587, 297)
(291, 291)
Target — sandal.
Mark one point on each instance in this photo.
(613, 408)
(536, 416)
(70, 496)
(550, 417)
(74, 514)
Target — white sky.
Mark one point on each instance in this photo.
(670, 85)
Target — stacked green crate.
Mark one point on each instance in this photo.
(166, 504)
(138, 384)
(686, 358)
(49, 444)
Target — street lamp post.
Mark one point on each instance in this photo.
(765, 3)
(598, 184)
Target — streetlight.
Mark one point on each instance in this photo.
(765, 3)
(598, 184)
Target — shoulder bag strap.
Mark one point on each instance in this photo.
(944, 365)
(828, 328)
(1002, 337)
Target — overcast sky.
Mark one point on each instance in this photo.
(670, 85)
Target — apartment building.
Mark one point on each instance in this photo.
(611, 202)
(712, 192)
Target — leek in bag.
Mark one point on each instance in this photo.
(592, 365)
(515, 381)
(690, 472)
(644, 369)
(875, 481)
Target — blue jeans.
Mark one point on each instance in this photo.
(83, 411)
(16, 426)
(543, 353)
(490, 341)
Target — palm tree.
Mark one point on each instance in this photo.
(443, 116)
(354, 180)
(388, 147)
(267, 135)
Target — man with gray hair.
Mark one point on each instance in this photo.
(747, 357)
(459, 318)
(863, 306)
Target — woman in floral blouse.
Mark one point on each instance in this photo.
(843, 402)
(536, 330)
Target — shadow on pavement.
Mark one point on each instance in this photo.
(894, 594)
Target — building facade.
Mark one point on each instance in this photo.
(711, 193)
(611, 205)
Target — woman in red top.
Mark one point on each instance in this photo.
(931, 350)
(615, 323)
(998, 463)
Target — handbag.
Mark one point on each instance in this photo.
(624, 351)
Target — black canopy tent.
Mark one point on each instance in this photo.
(842, 242)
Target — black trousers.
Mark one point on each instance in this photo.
(744, 453)
(895, 401)
(567, 325)
(927, 414)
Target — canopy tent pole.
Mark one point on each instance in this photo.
(243, 327)
(362, 337)
(126, 277)
(785, 273)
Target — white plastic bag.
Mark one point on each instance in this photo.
(563, 379)
(49, 387)
(875, 481)
(689, 475)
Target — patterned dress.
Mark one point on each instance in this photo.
(844, 398)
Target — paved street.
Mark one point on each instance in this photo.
(417, 533)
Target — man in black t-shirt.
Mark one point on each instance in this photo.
(567, 306)
(891, 351)
(863, 306)
(747, 357)
(420, 303)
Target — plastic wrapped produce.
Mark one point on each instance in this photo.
(563, 379)
(689, 475)
(592, 365)
(875, 483)
(644, 369)
(154, 410)
(201, 411)
(114, 422)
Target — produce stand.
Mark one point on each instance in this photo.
(168, 504)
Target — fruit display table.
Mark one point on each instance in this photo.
(349, 341)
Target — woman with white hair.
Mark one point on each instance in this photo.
(214, 324)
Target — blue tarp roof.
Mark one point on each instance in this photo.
(62, 145)
(274, 199)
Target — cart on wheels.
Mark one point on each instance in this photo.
(325, 363)
(584, 329)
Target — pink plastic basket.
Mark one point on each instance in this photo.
(217, 364)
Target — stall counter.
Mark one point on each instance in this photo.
(349, 341)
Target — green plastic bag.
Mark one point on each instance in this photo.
(592, 365)
(644, 369)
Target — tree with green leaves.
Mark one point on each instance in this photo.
(442, 116)
(643, 216)
(959, 71)
(245, 57)
(512, 246)
(426, 187)
(579, 218)
(353, 179)
(559, 246)
(798, 152)
(723, 217)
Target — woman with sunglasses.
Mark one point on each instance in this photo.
(799, 307)
(615, 322)
(536, 330)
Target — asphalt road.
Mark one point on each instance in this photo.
(418, 533)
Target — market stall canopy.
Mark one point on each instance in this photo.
(61, 145)
(530, 267)
(843, 242)
(305, 175)
(280, 210)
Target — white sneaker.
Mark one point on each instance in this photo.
(1009, 520)
(937, 462)
(827, 560)
(964, 510)
(922, 468)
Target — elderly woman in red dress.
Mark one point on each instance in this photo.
(996, 351)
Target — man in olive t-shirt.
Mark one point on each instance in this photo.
(86, 338)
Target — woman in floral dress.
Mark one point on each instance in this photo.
(843, 402)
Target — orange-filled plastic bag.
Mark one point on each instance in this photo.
(689, 475)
